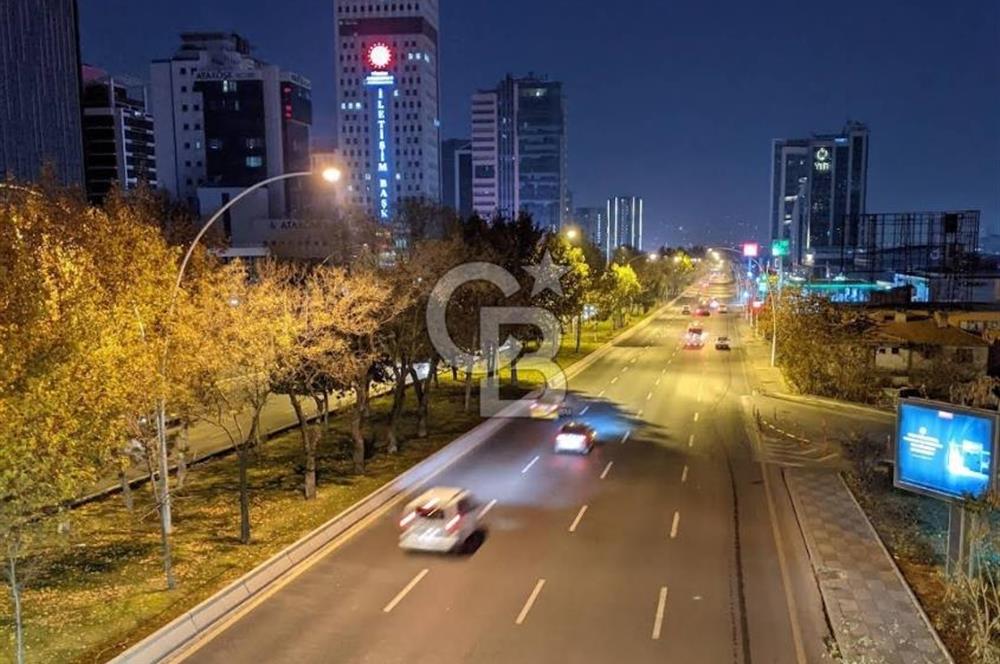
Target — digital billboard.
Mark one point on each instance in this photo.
(943, 450)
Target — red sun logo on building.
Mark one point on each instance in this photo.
(380, 56)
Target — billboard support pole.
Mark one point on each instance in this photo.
(960, 527)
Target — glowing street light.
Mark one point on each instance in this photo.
(572, 234)
(332, 175)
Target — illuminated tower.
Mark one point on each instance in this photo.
(387, 93)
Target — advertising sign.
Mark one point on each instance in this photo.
(945, 451)
(751, 250)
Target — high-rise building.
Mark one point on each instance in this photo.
(624, 224)
(592, 222)
(225, 120)
(40, 90)
(818, 191)
(118, 144)
(387, 92)
(456, 175)
(519, 150)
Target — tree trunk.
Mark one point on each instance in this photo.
(15, 594)
(421, 389)
(242, 454)
(468, 386)
(357, 434)
(183, 450)
(579, 326)
(454, 372)
(398, 401)
(127, 497)
(513, 372)
(308, 449)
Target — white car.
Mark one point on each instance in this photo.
(575, 437)
(441, 520)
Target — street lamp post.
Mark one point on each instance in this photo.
(330, 175)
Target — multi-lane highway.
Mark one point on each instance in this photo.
(669, 543)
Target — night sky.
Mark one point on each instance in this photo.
(677, 100)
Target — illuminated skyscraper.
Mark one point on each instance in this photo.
(387, 92)
(624, 224)
(818, 191)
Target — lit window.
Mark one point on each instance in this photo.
(255, 161)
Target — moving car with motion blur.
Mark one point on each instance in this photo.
(440, 520)
(695, 336)
(550, 406)
(722, 343)
(575, 437)
(686, 310)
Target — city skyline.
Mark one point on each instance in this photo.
(905, 76)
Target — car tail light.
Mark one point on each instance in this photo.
(452, 524)
(407, 520)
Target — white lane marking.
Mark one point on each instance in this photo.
(639, 414)
(624, 369)
(625, 437)
(402, 593)
(660, 608)
(658, 381)
(483, 512)
(579, 517)
(649, 396)
(675, 525)
(600, 394)
(607, 469)
(684, 475)
(584, 410)
(663, 371)
(614, 380)
(691, 440)
(530, 464)
(696, 416)
(531, 601)
(632, 361)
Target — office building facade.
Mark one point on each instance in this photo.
(519, 146)
(388, 91)
(118, 141)
(624, 226)
(456, 176)
(225, 120)
(818, 192)
(40, 90)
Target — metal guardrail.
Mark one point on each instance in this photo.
(188, 627)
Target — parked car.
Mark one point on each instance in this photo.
(575, 437)
(442, 519)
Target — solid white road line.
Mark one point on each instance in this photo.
(676, 524)
(607, 469)
(691, 440)
(684, 475)
(483, 512)
(584, 410)
(531, 601)
(625, 437)
(530, 464)
(402, 593)
(660, 608)
(579, 517)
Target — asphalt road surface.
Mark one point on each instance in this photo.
(661, 546)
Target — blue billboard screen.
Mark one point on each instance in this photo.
(944, 451)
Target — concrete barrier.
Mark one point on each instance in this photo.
(186, 628)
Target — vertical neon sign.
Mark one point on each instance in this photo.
(382, 85)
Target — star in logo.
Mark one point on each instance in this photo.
(546, 275)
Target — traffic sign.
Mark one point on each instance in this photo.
(781, 247)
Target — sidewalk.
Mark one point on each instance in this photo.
(871, 609)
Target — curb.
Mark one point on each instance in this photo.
(186, 630)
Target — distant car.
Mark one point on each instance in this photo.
(575, 437)
(722, 343)
(442, 520)
(685, 310)
(723, 308)
(550, 406)
(702, 311)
